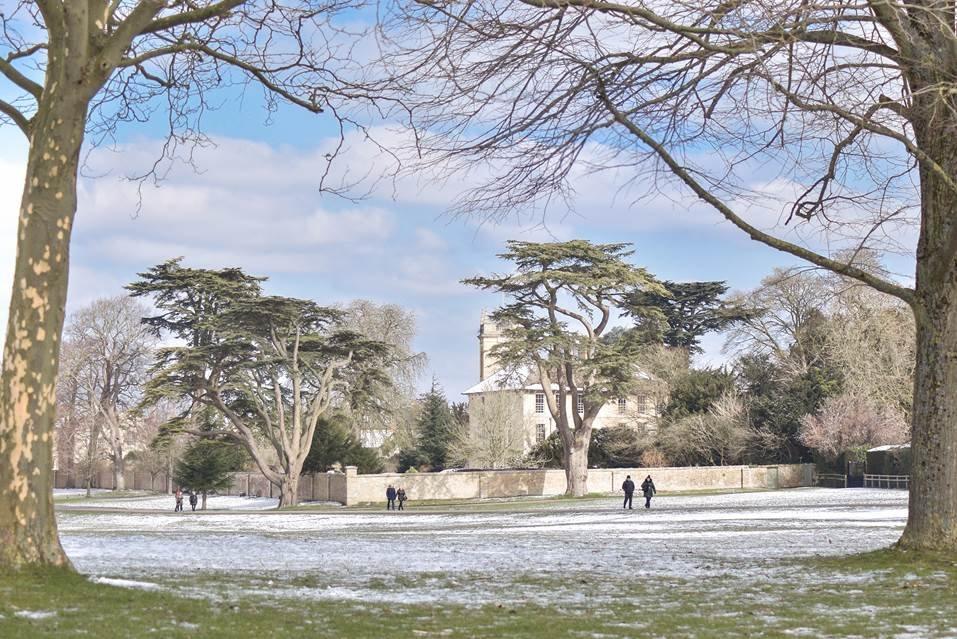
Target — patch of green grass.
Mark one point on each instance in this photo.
(872, 595)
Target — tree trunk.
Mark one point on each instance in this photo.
(289, 490)
(932, 510)
(28, 533)
(575, 458)
(204, 501)
(119, 469)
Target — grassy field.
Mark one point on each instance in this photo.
(885, 594)
(769, 564)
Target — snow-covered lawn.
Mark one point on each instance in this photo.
(167, 502)
(561, 552)
(73, 493)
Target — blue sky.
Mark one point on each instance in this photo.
(255, 204)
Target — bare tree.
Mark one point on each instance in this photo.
(870, 338)
(495, 435)
(843, 110)
(115, 349)
(718, 437)
(77, 412)
(378, 408)
(782, 316)
(846, 423)
(72, 72)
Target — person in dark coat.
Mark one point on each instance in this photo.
(648, 489)
(390, 497)
(193, 499)
(401, 496)
(629, 487)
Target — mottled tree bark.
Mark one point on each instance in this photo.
(28, 533)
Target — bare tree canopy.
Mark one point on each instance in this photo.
(112, 350)
(72, 72)
(839, 114)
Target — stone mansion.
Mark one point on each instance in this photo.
(518, 398)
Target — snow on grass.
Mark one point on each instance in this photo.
(168, 502)
(35, 615)
(126, 583)
(472, 557)
(73, 493)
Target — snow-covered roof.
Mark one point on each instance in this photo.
(520, 379)
(504, 380)
(878, 449)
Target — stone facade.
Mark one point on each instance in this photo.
(516, 399)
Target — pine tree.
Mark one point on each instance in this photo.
(207, 464)
(436, 428)
(334, 443)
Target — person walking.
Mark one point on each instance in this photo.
(629, 487)
(179, 501)
(193, 499)
(390, 497)
(648, 489)
(401, 496)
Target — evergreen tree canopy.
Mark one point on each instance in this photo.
(436, 429)
(697, 391)
(272, 366)
(684, 312)
(560, 300)
(334, 443)
(206, 464)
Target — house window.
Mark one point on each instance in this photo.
(581, 403)
(539, 433)
(539, 402)
(644, 403)
(622, 406)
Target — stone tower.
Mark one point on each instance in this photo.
(489, 335)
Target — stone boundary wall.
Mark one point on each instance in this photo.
(351, 488)
(360, 489)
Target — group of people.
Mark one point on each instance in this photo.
(193, 500)
(647, 489)
(394, 495)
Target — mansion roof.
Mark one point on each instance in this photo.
(521, 380)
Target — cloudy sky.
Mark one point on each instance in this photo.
(253, 201)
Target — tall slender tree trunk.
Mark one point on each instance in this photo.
(575, 460)
(28, 533)
(119, 469)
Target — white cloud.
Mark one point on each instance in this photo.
(428, 240)
(348, 227)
